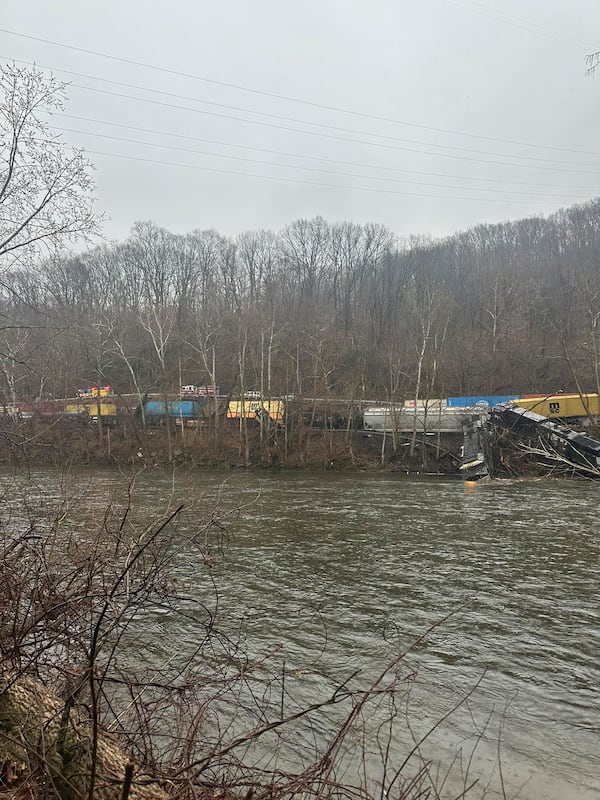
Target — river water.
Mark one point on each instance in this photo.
(338, 574)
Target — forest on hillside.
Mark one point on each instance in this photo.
(318, 309)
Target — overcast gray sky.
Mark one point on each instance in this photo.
(488, 112)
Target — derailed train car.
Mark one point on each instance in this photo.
(574, 408)
(423, 417)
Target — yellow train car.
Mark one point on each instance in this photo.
(562, 406)
(246, 409)
(108, 410)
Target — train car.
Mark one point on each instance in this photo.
(108, 410)
(41, 409)
(562, 406)
(424, 421)
(246, 409)
(158, 411)
(469, 401)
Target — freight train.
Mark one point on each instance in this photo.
(153, 412)
(432, 416)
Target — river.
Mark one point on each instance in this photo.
(338, 574)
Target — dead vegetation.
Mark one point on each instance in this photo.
(65, 441)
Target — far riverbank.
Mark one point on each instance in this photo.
(78, 442)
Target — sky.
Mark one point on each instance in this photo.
(427, 116)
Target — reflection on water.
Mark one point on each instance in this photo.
(345, 572)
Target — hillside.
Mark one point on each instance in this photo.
(328, 310)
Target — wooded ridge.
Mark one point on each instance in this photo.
(324, 309)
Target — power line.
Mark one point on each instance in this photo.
(519, 22)
(385, 167)
(301, 121)
(287, 98)
(330, 135)
(307, 169)
(305, 182)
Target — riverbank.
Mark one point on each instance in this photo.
(66, 441)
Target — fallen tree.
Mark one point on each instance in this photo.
(47, 745)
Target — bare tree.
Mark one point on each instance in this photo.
(304, 246)
(45, 188)
(592, 60)
(256, 251)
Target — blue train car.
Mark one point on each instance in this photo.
(171, 409)
(472, 400)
